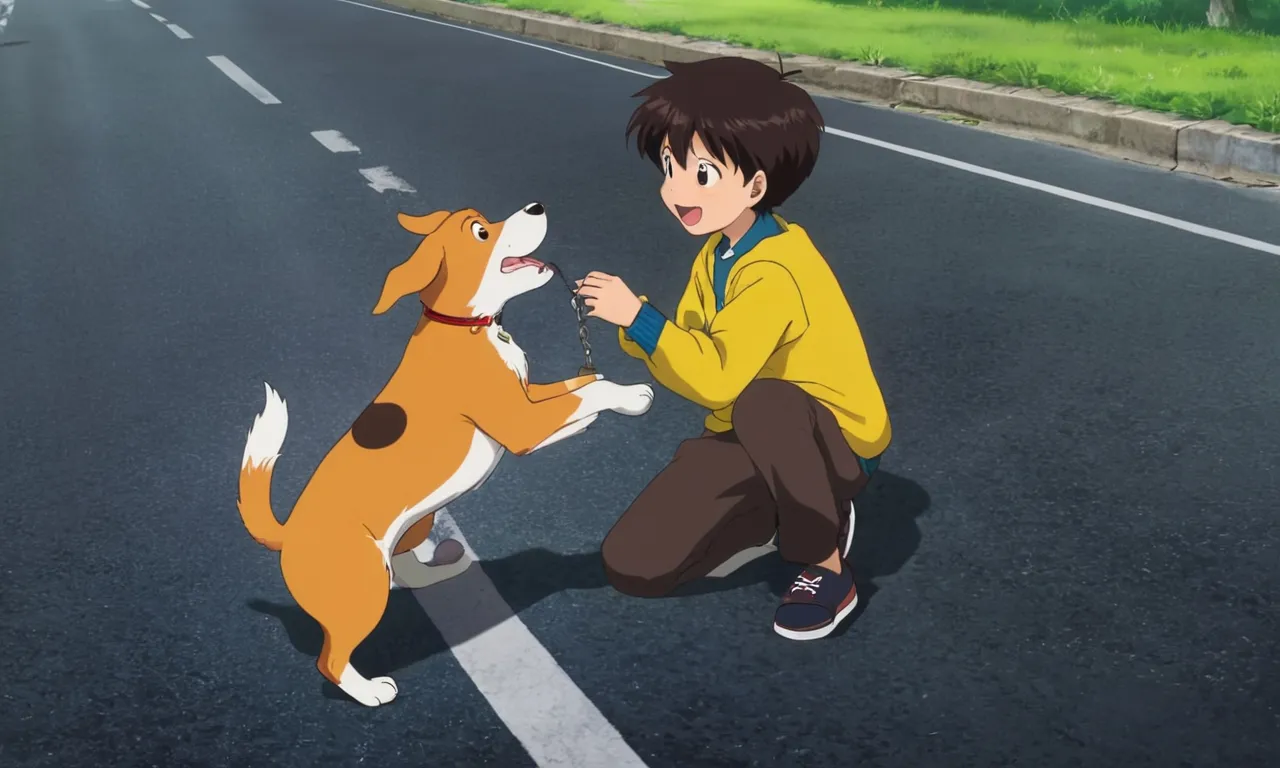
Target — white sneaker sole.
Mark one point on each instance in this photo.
(744, 557)
(848, 537)
(821, 632)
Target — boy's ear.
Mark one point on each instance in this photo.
(759, 184)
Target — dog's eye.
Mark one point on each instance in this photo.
(479, 231)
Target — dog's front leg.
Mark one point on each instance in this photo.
(633, 400)
(540, 392)
(523, 426)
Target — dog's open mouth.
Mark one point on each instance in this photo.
(512, 263)
(689, 216)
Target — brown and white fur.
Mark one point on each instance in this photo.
(458, 401)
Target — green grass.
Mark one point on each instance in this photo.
(1265, 14)
(1197, 72)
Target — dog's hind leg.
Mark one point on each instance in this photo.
(417, 538)
(449, 560)
(342, 583)
(418, 562)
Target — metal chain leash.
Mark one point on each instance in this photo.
(588, 368)
(579, 310)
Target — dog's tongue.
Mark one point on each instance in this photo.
(512, 263)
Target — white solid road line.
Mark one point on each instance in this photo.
(542, 707)
(179, 31)
(381, 179)
(503, 37)
(242, 79)
(334, 141)
(1079, 197)
(159, 18)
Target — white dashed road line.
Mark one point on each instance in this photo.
(542, 707)
(334, 141)
(179, 31)
(242, 79)
(141, 4)
(381, 179)
(159, 18)
(6, 9)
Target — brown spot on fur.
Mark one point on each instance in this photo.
(379, 425)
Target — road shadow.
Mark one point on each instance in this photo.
(886, 537)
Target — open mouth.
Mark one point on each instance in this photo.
(512, 263)
(689, 216)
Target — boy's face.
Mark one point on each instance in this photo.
(707, 194)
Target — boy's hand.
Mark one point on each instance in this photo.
(609, 299)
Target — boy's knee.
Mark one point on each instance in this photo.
(630, 571)
(768, 402)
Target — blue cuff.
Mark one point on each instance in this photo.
(647, 328)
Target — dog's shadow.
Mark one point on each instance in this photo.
(885, 538)
(405, 636)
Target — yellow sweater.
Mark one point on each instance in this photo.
(784, 317)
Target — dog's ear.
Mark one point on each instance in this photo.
(422, 225)
(412, 276)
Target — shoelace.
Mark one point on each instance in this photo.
(804, 583)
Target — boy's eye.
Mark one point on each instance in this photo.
(707, 174)
(666, 166)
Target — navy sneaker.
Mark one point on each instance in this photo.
(816, 603)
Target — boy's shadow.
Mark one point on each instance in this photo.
(885, 538)
(886, 535)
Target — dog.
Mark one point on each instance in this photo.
(459, 400)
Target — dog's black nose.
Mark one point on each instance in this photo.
(535, 209)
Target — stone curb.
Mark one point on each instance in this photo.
(1211, 148)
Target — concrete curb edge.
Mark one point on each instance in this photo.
(1206, 147)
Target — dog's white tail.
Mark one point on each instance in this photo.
(261, 449)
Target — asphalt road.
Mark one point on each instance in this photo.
(1070, 554)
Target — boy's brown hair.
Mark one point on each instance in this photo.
(742, 110)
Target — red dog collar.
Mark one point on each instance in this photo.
(469, 322)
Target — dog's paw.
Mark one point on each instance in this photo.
(447, 552)
(633, 400)
(371, 693)
(383, 690)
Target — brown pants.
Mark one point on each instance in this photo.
(784, 467)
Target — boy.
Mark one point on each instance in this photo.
(763, 337)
